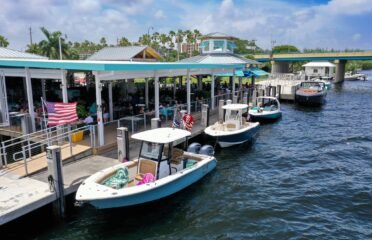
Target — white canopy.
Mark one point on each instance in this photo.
(161, 135)
(236, 106)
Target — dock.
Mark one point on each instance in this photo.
(20, 195)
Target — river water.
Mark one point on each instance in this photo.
(308, 176)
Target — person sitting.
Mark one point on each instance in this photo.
(88, 120)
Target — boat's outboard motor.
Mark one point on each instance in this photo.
(207, 150)
(194, 147)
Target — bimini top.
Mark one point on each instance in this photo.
(161, 135)
(235, 106)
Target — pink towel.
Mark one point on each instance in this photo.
(147, 177)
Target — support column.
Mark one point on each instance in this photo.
(147, 93)
(212, 92)
(156, 86)
(174, 88)
(64, 86)
(188, 92)
(101, 131)
(233, 84)
(340, 71)
(30, 99)
(200, 82)
(43, 92)
(111, 105)
(279, 67)
(240, 83)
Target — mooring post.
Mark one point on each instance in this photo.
(205, 115)
(273, 91)
(254, 97)
(267, 91)
(220, 110)
(245, 98)
(155, 123)
(279, 91)
(122, 138)
(55, 178)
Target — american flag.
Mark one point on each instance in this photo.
(61, 113)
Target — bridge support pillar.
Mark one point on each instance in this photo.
(279, 67)
(340, 71)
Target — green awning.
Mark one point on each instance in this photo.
(238, 73)
(254, 71)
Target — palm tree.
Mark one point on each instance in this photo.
(50, 46)
(123, 42)
(3, 41)
(33, 48)
(179, 39)
(189, 39)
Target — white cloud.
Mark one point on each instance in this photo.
(356, 36)
(159, 14)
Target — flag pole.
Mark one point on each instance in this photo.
(44, 120)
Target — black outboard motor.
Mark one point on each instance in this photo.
(207, 150)
(194, 147)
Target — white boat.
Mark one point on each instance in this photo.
(235, 129)
(159, 171)
(325, 80)
(267, 111)
(354, 77)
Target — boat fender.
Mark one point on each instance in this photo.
(207, 150)
(194, 147)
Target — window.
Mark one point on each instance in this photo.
(231, 46)
(151, 150)
(218, 45)
(205, 46)
(315, 70)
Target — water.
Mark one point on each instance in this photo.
(308, 176)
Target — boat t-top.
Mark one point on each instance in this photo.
(268, 110)
(159, 171)
(234, 129)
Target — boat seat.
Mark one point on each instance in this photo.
(177, 155)
(146, 166)
(230, 126)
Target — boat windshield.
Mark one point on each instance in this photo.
(312, 85)
(151, 150)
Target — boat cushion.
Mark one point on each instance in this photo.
(147, 178)
(119, 180)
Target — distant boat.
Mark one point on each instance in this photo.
(311, 93)
(325, 80)
(159, 171)
(355, 77)
(235, 129)
(268, 111)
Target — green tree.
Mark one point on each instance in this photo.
(3, 42)
(123, 42)
(34, 48)
(285, 49)
(50, 46)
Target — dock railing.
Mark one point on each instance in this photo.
(32, 146)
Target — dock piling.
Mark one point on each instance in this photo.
(122, 138)
(220, 110)
(205, 115)
(155, 123)
(55, 179)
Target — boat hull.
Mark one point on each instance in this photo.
(316, 99)
(158, 192)
(239, 138)
(265, 117)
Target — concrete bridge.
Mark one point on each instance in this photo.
(280, 61)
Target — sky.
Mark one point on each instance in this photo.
(336, 24)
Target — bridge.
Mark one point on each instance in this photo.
(280, 61)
